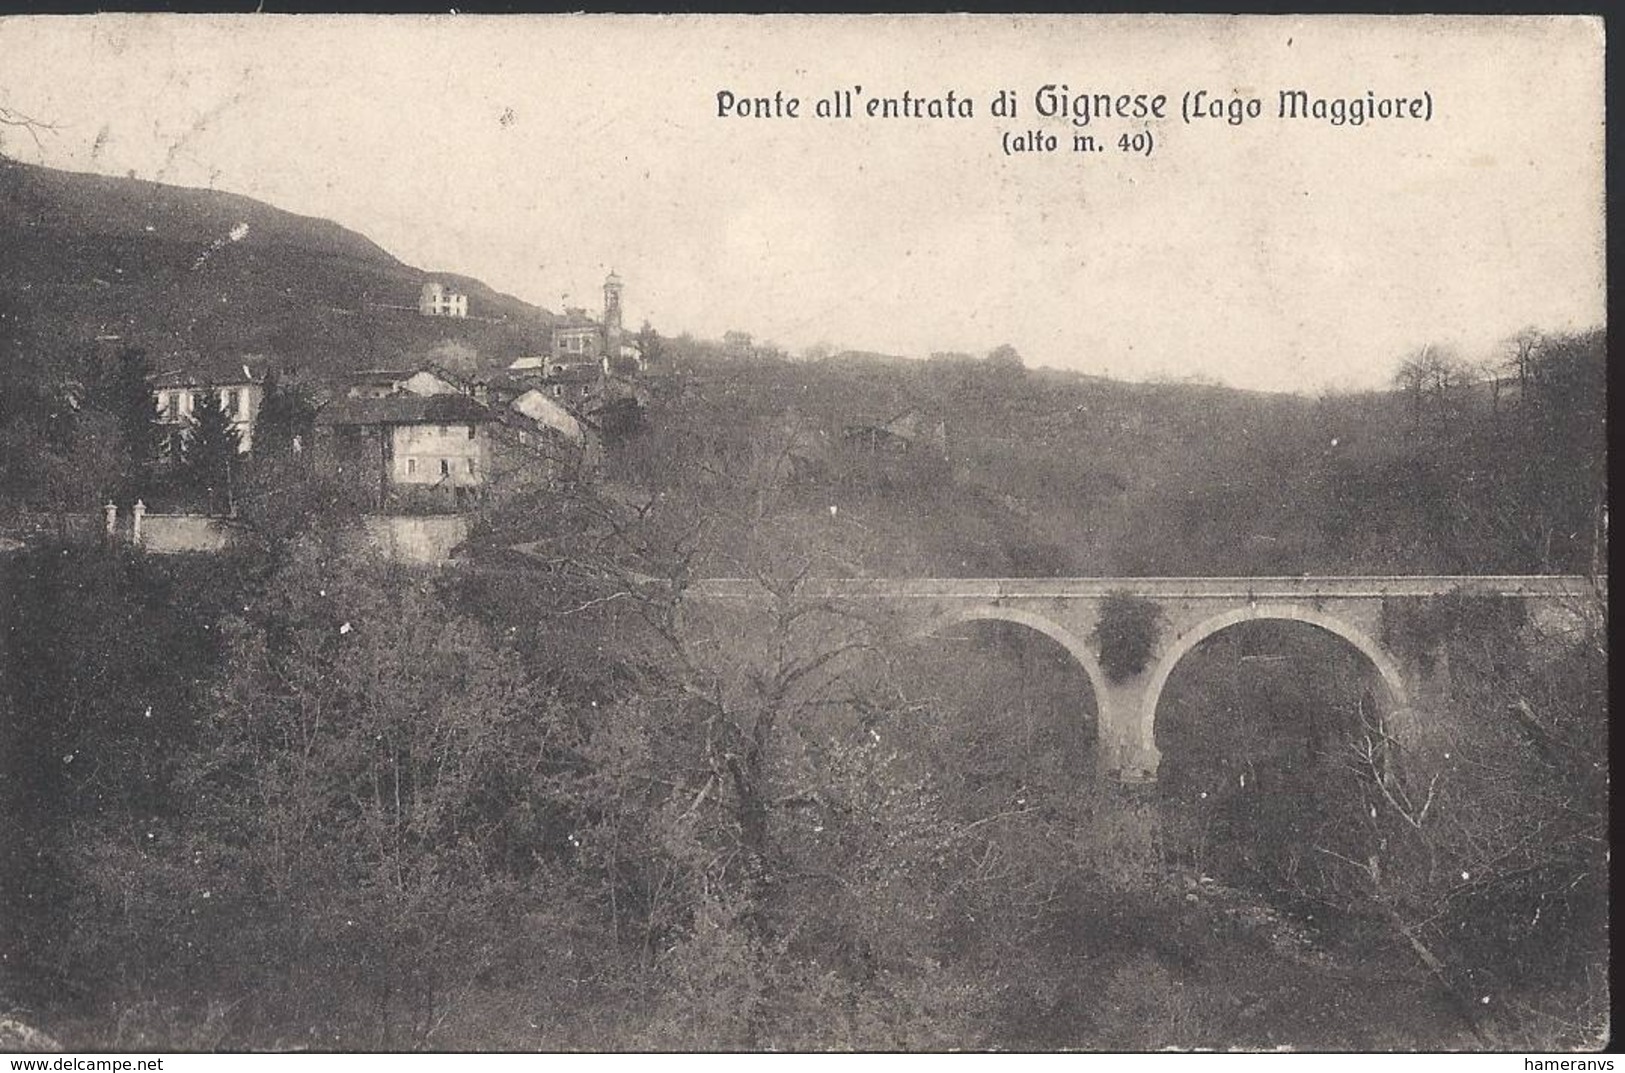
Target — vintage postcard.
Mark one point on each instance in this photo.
(721, 533)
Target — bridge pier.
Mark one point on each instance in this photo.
(1126, 744)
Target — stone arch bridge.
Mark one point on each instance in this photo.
(1190, 611)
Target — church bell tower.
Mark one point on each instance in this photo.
(612, 305)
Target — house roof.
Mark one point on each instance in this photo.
(403, 410)
(575, 372)
(397, 379)
(218, 370)
(905, 424)
(503, 381)
(536, 406)
(378, 376)
(455, 381)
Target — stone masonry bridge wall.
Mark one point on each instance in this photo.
(1190, 610)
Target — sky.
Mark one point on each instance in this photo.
(539, 153)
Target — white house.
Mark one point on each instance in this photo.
(438, 300)
(239, 384)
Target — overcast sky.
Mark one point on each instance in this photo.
(537, 154)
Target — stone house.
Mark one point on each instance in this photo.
(539, 442)
(436, 446)
(539, 408)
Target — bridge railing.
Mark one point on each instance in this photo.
(1544, 586)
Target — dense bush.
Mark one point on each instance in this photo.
(1126, 634)
(1424, 629)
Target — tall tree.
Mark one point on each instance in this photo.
(652, 348)
(209, 452)
(123, 389)
(285, 418)
(1434, 379)
(1564, 434)
(63, 466)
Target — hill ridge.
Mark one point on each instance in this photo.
(98, 259)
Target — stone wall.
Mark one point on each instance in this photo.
(407, 538)
(401, 537)
(49, 526)
(167, 534)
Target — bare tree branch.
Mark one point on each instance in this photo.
(11, 117)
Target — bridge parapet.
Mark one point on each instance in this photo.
(1547, 586)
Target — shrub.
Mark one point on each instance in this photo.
(1126, 634)
(1422, 628)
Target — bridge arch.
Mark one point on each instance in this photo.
(1387, 669)
(1053, 630)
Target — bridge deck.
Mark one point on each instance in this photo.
(1533, 586)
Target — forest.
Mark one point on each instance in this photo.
(294, 797)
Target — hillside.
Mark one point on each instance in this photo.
(1048, 473)
(93, 260)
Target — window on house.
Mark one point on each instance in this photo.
(234, 399)
(445, 467)
(469, 463)
(174, 404)
(411, 466)
(471, 432)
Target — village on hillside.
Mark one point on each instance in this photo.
(419, 448)
(420, 440)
